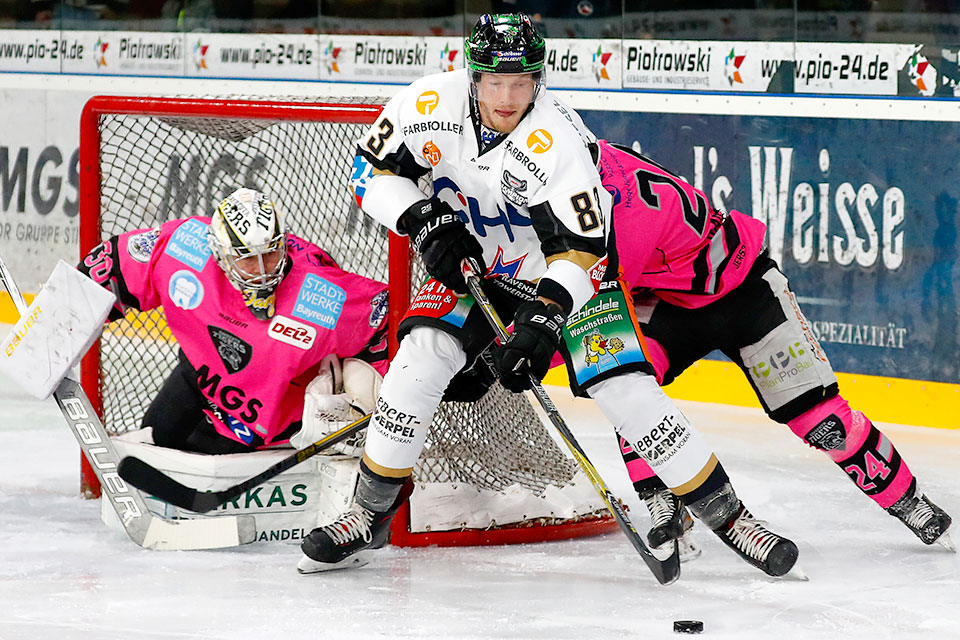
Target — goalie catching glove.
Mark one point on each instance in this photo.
(442, 240)
(536, 334)
(338, 396)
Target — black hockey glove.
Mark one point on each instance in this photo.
(536, 334)
(442, 240)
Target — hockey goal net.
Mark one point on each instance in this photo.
(148, 160)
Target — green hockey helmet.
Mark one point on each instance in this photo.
(505, 43)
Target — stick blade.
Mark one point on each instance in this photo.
(151, 480)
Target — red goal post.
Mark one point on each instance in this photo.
(146, 160)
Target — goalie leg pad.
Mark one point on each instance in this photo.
(856, 446)
(426, 361)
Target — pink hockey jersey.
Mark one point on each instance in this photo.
(669, 239)
(254, 370)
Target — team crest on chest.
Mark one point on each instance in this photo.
(513, 189)
(234, 352)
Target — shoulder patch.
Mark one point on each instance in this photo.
(189, 244)
(140, 246)
(539, 141)
(378, 308)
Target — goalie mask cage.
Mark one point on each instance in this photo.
(144, 161)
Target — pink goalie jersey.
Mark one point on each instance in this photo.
(669, 239)
(254, 370)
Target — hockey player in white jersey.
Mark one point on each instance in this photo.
(515, 186)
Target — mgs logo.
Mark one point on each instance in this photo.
(539, 141)
(432, 154)
(427, 102)
(100, 52)
(731, 67)
(200, 55)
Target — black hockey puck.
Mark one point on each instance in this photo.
(687, 626)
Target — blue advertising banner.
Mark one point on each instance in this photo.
(861, 215)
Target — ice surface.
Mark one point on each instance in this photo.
(64, 575)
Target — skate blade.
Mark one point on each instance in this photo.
(307, 565)
(688, 548)
(946, 542)
(665, 551)
(796, 573)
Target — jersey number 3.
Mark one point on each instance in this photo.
(375, 142)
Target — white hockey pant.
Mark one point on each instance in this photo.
(411, 392)
(645, 417)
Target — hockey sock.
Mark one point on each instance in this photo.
(641, 475)
(375, 492)
(859, 448)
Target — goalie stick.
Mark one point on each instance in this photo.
(158, 484)
(144, 528)
(665, 571)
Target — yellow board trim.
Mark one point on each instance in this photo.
(8, 312)
(896, 400)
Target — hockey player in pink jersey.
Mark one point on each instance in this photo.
(702, 281)
(254, 310)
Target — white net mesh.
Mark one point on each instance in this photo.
(157, 169)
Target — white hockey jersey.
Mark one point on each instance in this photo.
(534, 192)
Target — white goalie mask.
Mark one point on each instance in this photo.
(248, 237)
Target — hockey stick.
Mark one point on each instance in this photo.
(158, 484)
(144, 528)
(665, 571)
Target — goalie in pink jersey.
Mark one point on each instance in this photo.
(701, 281)
(263, 319)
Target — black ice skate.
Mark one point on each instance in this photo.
(345, 543)
(927, 521)
(670, 520)
(752, 541)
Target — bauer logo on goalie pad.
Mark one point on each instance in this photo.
(289, 331)
(140, 246)
(185, 290)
